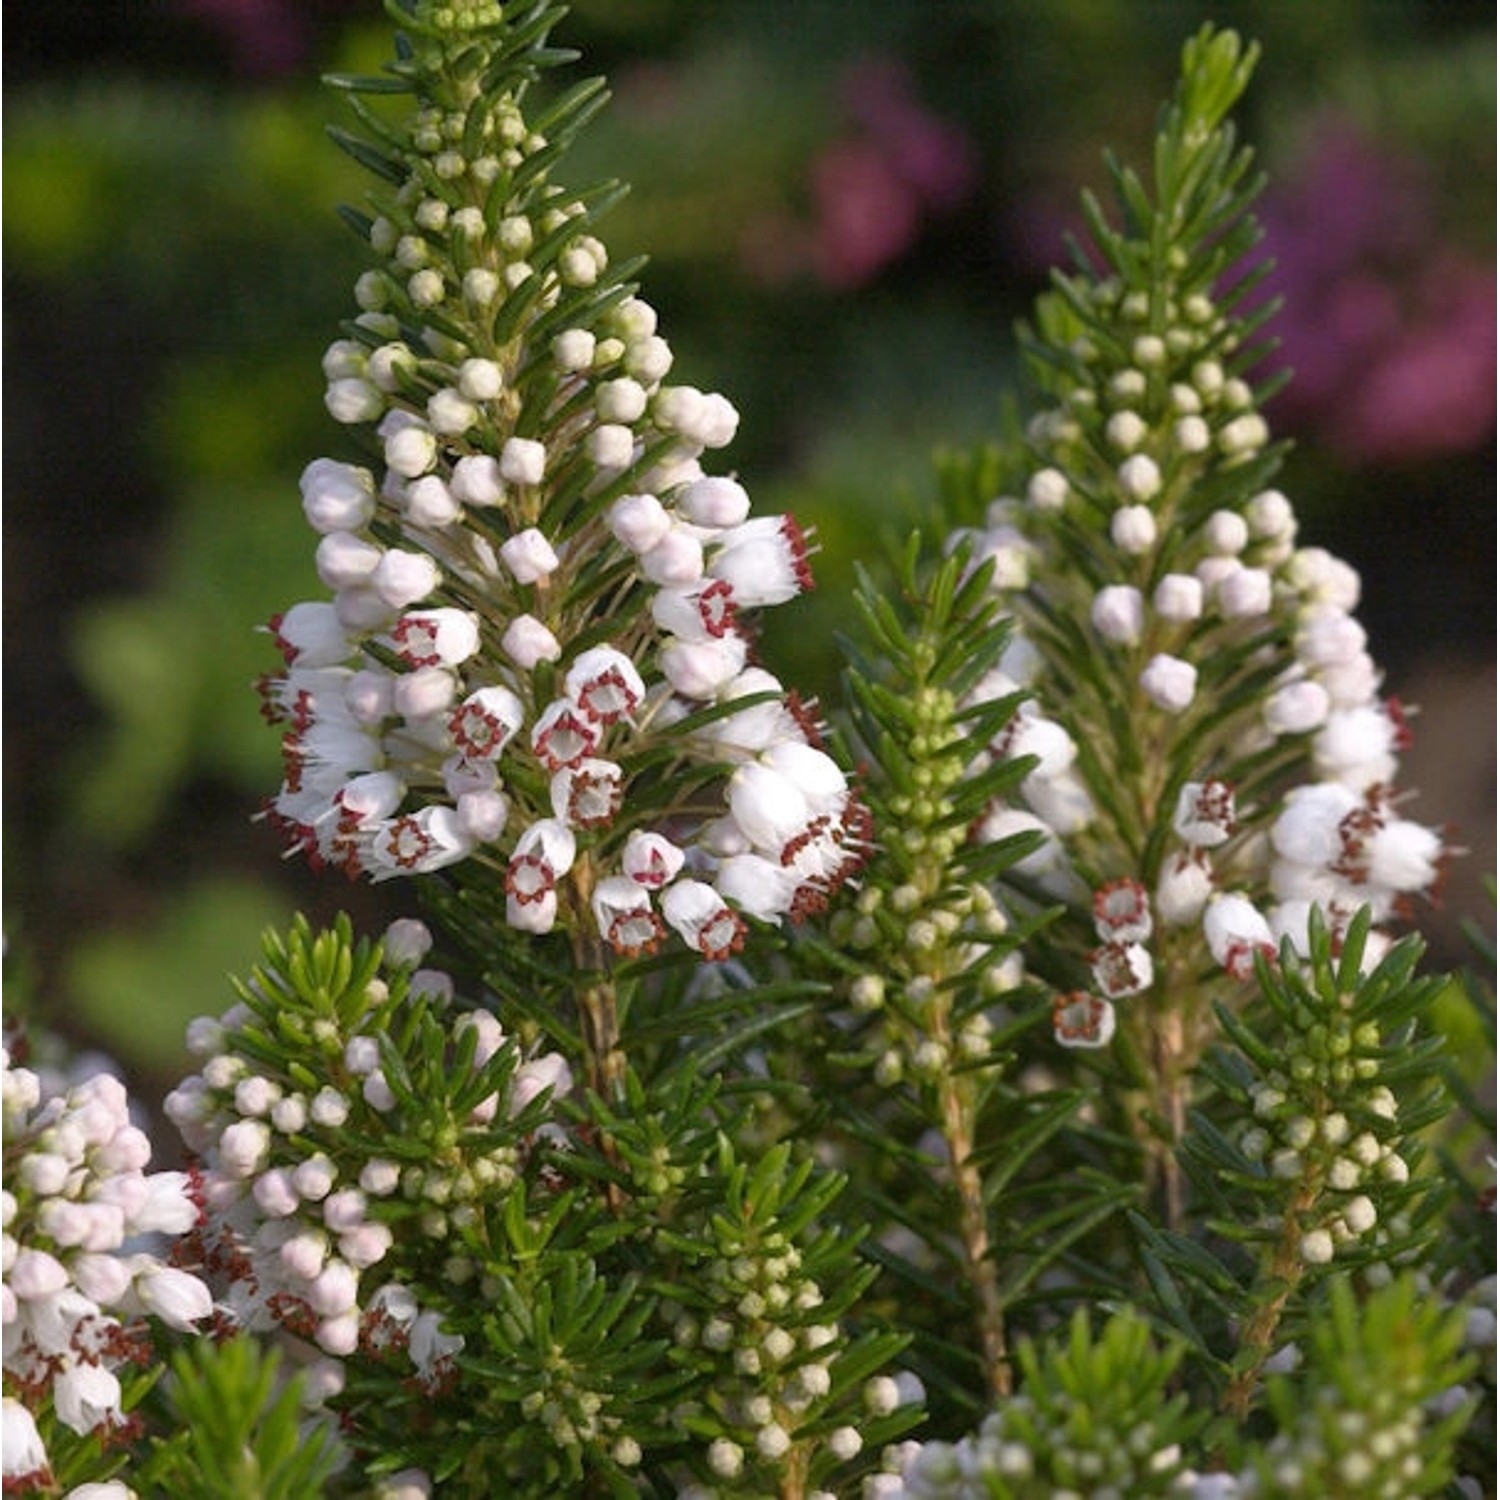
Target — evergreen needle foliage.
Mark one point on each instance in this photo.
(1046, 1107)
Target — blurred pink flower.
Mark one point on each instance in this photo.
(265, 38)
(871, 188)
(1388, 330)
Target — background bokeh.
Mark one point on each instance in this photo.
(847, 207)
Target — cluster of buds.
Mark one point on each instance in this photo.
(83, 1222)
(537, 654)
(317, 1214)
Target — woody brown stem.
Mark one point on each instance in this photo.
(1259, 1331)
(974, 1234)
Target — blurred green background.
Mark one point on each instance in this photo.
(847, 206)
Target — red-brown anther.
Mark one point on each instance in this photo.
(529, 877)
(407, 843)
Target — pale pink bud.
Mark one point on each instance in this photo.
(1047, 490)
(523, 461)
(365, 1245)
(102, 1278)
(700, 669)
(675, 560)
(476, 481)
(1328, 637)
(548, 1071)
(678, 408)
(430, 503)
(529, 556)
(345, 561)
(620, 400)
(380, 1178)
(314, 1177)
(527, 641)
(377, 1093)
(1296, 707)
(329, 1107)
(1178, 596)
(1245, 593)
(350, 399)
(410, 450)
(361, 1055)
(611, 446)
(714, 502)
(1139, 477)
(367, 695)
(1271, 517)
(720, 421)
(1357, 746)
(1132, 529)
(303, 1255)
(405, 578)
(274, 1194)
(573, 350)
(339, 1335)
(1169, 682)
(1118, 613)
(333, 1290)
(424, 693)
(407, 942)
(639, 522)
(1226, 532)
(244, 1147)
(35, 1274)
(482, 816)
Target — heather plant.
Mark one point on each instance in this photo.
(1013, 1081)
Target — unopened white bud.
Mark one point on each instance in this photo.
(1139, 477)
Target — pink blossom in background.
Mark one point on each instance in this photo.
(871, 188)
(1388, 330)
(265, 38)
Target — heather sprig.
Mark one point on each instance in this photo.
(536, 660)
(1213, 756)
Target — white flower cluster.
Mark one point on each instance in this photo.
(301, 1193)
(1205, 628)
(539, 587)
(80, 1270)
